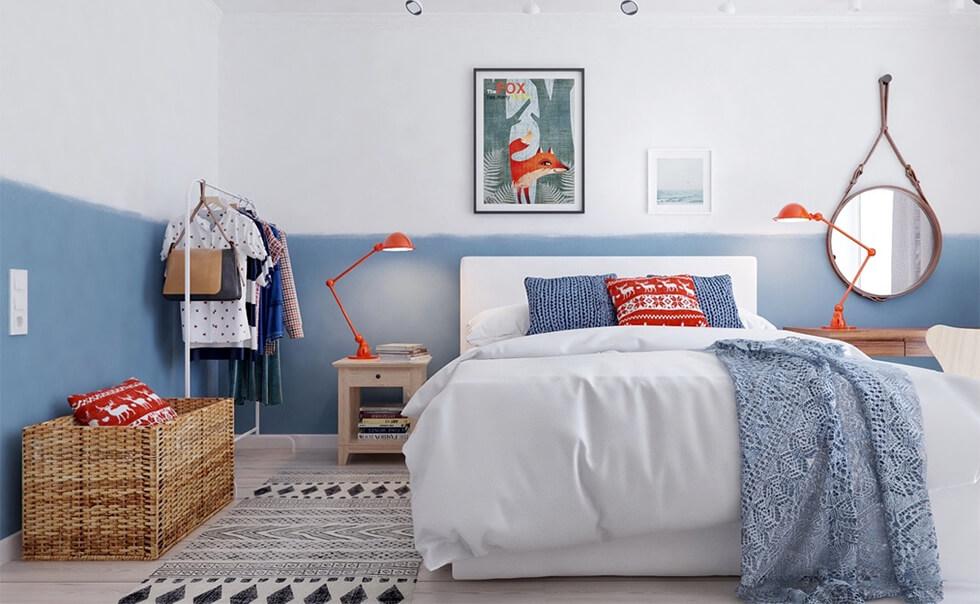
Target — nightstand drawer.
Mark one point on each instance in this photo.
(378, 376)
(877, 341)
(881, 348)
(917, 347)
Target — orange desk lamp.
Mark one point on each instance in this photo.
(396, 242)
(794, 212)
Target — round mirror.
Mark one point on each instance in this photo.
(902, 229)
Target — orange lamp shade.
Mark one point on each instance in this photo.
(793, 212)
(397, 242)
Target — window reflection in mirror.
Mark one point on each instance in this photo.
(891, 221)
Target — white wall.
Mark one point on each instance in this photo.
(112, 101)
(363, 123)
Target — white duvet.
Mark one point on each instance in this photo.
(587, 436)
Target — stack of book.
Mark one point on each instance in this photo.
(401, 352)
(382, 423)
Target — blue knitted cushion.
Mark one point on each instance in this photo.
(717, 300)
(568, 303)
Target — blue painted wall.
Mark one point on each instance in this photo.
(415, 297)
(96, 315)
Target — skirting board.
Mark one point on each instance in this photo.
(279, 441)
(10, 548)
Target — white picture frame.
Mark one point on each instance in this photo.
(679, 181)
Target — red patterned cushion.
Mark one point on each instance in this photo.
(131, 403)
(669, 301)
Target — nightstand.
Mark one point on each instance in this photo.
(877, 341)
(352, 375)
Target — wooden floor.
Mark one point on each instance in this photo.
(105, 582)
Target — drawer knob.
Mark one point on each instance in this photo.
(377, 376)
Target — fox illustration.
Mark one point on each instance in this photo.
(525, 172)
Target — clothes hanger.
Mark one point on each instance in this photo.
(206, 202)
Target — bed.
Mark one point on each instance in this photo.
(614, 451)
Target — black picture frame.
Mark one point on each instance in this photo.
(579, 165)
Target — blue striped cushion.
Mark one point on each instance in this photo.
(568, 303)
(717, 300)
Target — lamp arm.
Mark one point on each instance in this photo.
(374, 250)
(353, 330)
(363, 349)
(857, 276)
(838, 320)
(819, 216)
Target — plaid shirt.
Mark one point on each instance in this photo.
(279, 250)
(272, 243)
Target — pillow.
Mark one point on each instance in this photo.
(568, 303)
(664, 301)
(754, 321)
(498, 323)
(131, 403)
(717, 301)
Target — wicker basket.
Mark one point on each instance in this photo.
(124, 493)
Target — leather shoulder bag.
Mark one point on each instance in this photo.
(214, 273)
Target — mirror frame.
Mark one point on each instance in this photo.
(937, 243)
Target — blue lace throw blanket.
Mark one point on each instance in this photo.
(834, 502)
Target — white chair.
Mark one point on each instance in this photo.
(957, 349)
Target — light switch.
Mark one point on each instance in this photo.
(18, 302)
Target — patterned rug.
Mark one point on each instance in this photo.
(307, 535)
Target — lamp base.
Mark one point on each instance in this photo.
(364, 352)
(837, 322)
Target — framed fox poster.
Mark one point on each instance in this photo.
(529, 143)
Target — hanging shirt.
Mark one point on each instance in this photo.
(290, 308)
(217, 322)
(273, 326)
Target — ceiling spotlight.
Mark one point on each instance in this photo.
(728, 7)
(854, 6)
(414, 7)
(532, 8)
(629, 7)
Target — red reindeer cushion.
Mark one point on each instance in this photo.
(666, 301)
(131, 403)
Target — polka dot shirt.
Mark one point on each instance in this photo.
(218, 322)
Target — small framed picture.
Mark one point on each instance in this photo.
(679, 181)
(529, 141)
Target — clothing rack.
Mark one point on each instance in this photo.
(188, 211)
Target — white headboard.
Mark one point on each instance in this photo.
(489, 281)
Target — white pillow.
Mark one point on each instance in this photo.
(512, 321)
(498, 323)
(750, 320)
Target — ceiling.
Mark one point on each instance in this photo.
(781, 8)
